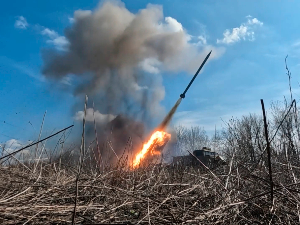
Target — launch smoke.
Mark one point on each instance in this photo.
(116, 57)
(169, 116)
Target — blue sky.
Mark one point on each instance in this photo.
(253, 38)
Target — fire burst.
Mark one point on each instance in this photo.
(157, 140)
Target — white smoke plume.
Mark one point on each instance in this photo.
(117, 58)
(112, 51)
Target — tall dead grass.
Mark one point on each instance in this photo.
(156, 194)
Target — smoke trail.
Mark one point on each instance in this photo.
(169, 116)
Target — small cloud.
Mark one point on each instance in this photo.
(50, 33)
(244, 32)
(255, 21)
(71, 20)
(202, 40)
(99, 117)
(60, 42)
(198, 41)
(13, 145)
(236, 35)
(21, 23)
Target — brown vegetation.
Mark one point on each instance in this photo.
(61, 189)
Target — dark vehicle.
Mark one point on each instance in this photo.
(205, 155)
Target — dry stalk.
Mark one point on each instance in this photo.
(268, 150)
(82, 154)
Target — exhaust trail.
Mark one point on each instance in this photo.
(169, 116)
(159, 138)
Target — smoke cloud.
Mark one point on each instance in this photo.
(116, 57)
(122, 137)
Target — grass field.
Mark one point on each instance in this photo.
(156, 194)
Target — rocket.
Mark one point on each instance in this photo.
(160, 138)
(169, 116)
(196, 74)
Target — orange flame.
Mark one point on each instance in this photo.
(157, 140)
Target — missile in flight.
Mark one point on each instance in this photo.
(169, 116)
(196, 74)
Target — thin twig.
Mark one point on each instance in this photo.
(37, 145)
(3, 157)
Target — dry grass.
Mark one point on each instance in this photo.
(152, 195)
